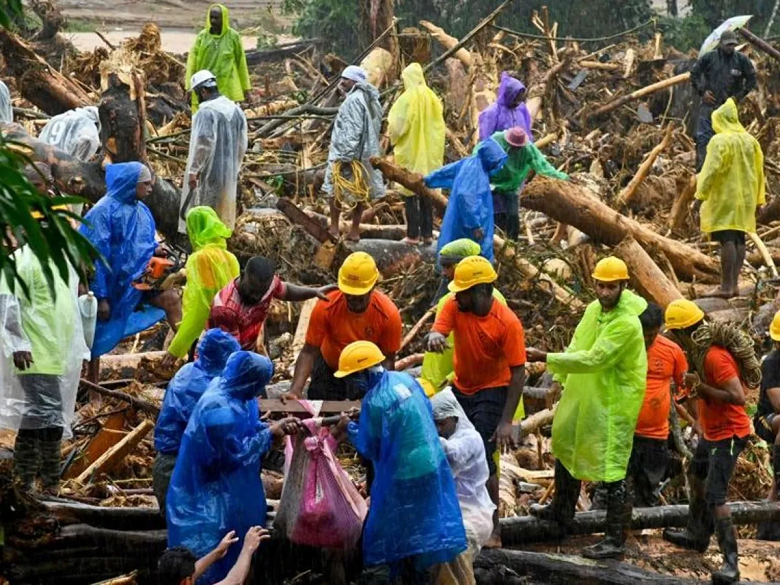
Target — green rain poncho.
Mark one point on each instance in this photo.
(223, 55)
(209, 269)
(521, 161)
(603, 373)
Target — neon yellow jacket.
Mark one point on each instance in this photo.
(209, 269)
(731, 182)
(223, 55)
(415, 125)
(603, 372)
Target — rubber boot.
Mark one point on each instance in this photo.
(770, 530)
(51, 446)
(618, 523)
(564, 504)
(696, 535)
(727, 540)
(26, 451)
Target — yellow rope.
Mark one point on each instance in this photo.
(357, 187)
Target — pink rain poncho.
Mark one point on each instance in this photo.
(502, 115)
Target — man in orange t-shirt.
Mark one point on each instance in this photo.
(489, 360)
(355, 312)
(718, 384)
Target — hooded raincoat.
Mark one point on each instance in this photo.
(415, 125)
(209, 269)
(603, 372)
(216, 484)
(414, 509)
(188, 385)
(502, 115)
(731, 182)
(471, 202)
(223, 55)
(520, 162)
(122, 229)
(77, 132)
(218, 142)
(6, 107)
(355, 136)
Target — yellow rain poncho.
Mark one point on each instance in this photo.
(415, 125)
(731, 182)
(603, 373)
(223, 55)
(209, 269)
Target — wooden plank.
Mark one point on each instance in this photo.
(303, 326)
(115, 454)
(293, 407)
(298, 216)
(108, 436)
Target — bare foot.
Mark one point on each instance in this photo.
(493, 542)
(334, 231)
(411, 241)
(353, 236)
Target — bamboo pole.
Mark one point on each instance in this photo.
(108, 460)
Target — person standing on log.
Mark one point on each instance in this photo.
(355, 312)
(717, 76)
(603, 375)
(730, 191)
(489, 361)
(218, 49)
(350, 179)
(182, 394)
(218, 142)
(724, 363)
(6, 106)
(416, 127)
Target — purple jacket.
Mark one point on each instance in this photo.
(501, 115)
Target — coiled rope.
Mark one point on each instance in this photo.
(734, 339)
(357, 187)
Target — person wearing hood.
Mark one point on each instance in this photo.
(509, 110)
(469, 212)
(77, 132)
(121, 227)
(603, 374)
(209, 268)
(350, 180)
(216, 486)
(416, 127)
(729, 191)
(182, 394)
(414, 521)
(218, 49)
(6, 106)
(218, 143)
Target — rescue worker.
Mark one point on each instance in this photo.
(507, 182)
(767, 417)
(508, 111)
(489, 361)
(350, 180)
(6, 106)
(356, 311)
(717, 76)
(220, 454)
(209, 268)
(414, 521)
(469, 212)
(218, 142)
(218, 49)
(729, 190)
(182, 394)
(416, 127)
(77, 132)
(603, 377)
(718, 380)
(121, 227)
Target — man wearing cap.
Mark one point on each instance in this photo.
(354, 312)
(717, 76)
(603, 377)
(721, 370)
(507, 182)
(489, 360)
(350, 180)
(218, 142)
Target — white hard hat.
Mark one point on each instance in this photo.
(203, 77)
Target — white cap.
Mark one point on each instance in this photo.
(354, 73)
(203, 77)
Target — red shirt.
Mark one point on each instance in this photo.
(720, 420)
(665, 361)
(244, 322)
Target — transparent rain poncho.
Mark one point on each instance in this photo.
(218, 142)
(50, 328)
(6, 107)
(77, 132)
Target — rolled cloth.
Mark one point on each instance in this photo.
(355, 73)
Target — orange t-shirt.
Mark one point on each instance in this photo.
(665, 360)
(485, 347)
(333, 326)
(720, 420)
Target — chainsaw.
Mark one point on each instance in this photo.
(162, 273)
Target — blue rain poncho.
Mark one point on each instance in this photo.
(471, 203)
(77, 132)
(216, 487)
(122, 229)
(188, 385)
(414, 508)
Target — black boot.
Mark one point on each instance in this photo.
(618, 523)
(51, 446)
(26, 454)
(727, 540)
(564, 504)
(696, 536)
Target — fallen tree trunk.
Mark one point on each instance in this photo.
(447, 41)
(575, 205)
(412, 181)
(115, 518)
(640, 93)
(393, 257)
(646, 277)
(760, 43)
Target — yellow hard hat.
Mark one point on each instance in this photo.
(358, 356)
(774, 328)
(610, 269)
(682, 313)
(472, 271)
(358, 274)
